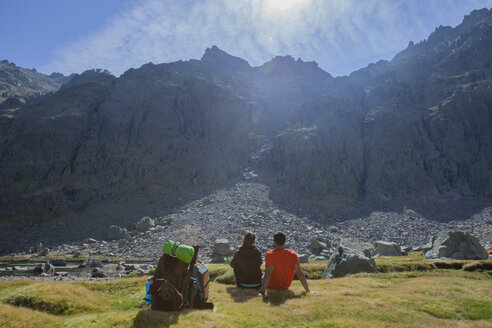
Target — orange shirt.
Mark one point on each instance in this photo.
(283, 261)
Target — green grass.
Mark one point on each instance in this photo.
(395, 298)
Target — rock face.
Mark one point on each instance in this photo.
(116, 232)
(384, 248)
(455, 245)
(411, 132)
(349, 258)
(144, 224)
(19, 83)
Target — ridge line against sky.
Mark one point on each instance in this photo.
(340, 35)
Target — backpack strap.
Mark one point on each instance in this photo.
(173, 250)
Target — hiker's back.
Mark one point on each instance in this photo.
(283, 261)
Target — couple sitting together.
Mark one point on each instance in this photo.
(280, 263)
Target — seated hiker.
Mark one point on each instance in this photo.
(246, 263)
(280, 266)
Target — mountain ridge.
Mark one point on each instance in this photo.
(105, 150)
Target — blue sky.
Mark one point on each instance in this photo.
(340, 35)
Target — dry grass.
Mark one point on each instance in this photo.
(436, 298)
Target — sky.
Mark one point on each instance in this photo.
(71, 36)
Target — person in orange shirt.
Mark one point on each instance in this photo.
(280, 265)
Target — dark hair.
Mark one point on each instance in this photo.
(279, 238)
(249, 239)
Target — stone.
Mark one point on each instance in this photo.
(43, 251)
(347, 260)
(316, 246)
(405, 250)
(115, 232)
(130, 267)
(91, 263)
(19, 268)
(44, 268)
(61, 274)
(144, 224)
(76, 255)
(98, 273)
(384, 248)
(221, 248)
(143, 269)
(303, 258)
(58, 262)
(455, 245)
(367, 248)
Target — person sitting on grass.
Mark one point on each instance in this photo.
(280, 266)
(247, 262)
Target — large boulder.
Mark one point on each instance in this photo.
(44, 269)
(98, 273)
(144, 224)
(58, 262)
(91, 263)
(316, 246)
(220, 250)
(455, 245)
(367, 248)
(384, 248)
(349, 258)
(115, 232)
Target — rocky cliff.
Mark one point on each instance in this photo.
(17, 83)
(414, 132)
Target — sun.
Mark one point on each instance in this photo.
(284, 4)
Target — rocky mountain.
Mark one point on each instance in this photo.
(17, 83)
(410, 133)
(414, 132)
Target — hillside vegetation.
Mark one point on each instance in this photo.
(432, 298)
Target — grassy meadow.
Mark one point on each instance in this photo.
(410, 292)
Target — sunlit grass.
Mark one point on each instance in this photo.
(434, 298)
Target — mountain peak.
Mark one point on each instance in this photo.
(219, 59)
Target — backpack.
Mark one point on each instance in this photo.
(177, 284)
(199, 289)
